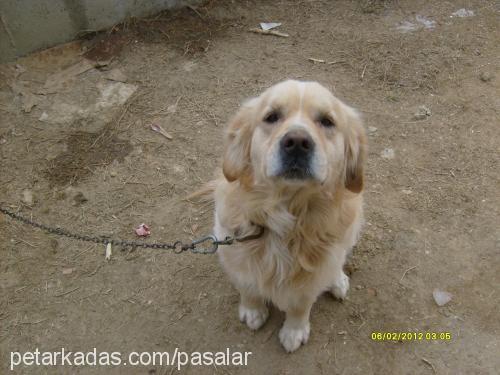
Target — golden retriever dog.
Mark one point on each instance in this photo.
(293, 165)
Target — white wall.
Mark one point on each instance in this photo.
(29, 25)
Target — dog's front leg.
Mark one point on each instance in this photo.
(340, 284)
(295, 330)
(253, 310)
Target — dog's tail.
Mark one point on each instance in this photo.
(203, 195)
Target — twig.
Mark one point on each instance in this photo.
(181, 269)
(99, 137)
(84, 251)
(361, 325)
(335, 62)
(124, 208)
(196, 11)
(316, 60)
(364, 70)
(269, 32)
(36, 322)
(409, 269)
(7, 30)
(426, 361)
(26, 242)
(68, 292)
(95, 271)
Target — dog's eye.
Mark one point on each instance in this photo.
(272, 117)
(326, 122)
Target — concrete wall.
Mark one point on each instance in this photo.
(29, 25)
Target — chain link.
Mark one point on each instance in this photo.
(177, 247)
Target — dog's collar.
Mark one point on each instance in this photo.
(250, 237)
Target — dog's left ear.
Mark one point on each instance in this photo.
(238, 140)
(355, 151)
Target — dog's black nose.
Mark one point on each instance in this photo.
(297, 143)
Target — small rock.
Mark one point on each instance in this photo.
(67, 271)
(359, 287)
(371, 291)
(406, 191)
(3, 141)
(388, 153)
(113, 173)
(44, 117)
(486, 76)
(372, 130)
(441, 297)
(27, 197)
(342, 333)
(462, 13)
(79, 199)
(422, 113)
(425, 22)
(109, 252)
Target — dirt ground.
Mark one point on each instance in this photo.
(77, 151)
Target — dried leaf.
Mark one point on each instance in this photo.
(157, 128)
(143, 230)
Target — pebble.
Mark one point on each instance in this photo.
(67, 271)
(462, 13)
(43, 117)
(372, 130)
(79, 199)
(441, 297)
(422, 113)
(388, 153)
(486, 76)
(27, 197)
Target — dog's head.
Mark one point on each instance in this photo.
(296, 133)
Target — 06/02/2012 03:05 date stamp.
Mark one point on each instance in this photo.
(411, 336)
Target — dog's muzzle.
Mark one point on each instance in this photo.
(296, 151)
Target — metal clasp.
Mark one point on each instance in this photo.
(210, 250)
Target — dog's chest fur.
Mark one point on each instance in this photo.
(301, 231)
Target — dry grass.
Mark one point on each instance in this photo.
(408, 61)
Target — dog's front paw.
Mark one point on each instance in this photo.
(292, 338)
(341, 286)
(254, 318)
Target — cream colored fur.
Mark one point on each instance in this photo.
(310, 226)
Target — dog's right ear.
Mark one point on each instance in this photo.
(238, 139)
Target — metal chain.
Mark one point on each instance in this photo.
(177, 247)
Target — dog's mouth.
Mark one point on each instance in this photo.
(296, 170)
